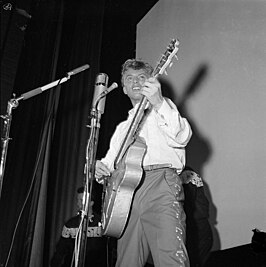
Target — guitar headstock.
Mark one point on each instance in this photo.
(166, 58)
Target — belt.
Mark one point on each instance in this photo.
(156, 166)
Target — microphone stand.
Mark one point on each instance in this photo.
(91, 150)
(13, 103)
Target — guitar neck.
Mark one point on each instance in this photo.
(131, 133)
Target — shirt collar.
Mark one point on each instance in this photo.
(132, 111)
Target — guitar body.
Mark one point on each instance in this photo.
(119, 190)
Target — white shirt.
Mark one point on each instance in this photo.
(165, 132)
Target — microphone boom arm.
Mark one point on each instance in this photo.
(13, 103)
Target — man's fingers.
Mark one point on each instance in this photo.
(100, 180)
(101, 170)
(104, 170)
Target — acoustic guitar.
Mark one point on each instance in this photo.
(119, 189)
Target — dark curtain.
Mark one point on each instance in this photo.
(46, 155)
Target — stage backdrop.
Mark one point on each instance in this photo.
(219, 84)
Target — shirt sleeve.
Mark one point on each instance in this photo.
(175, 128)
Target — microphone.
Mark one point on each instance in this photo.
(77, 70)
(100, 101)
(108, 90)
(101, 83)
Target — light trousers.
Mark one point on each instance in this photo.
(156, 223)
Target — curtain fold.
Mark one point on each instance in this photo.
(81, 44)
(38, 229)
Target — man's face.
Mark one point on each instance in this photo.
(133, 81)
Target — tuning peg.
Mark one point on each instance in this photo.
(171, 64)
(165, 72)
(176, 57)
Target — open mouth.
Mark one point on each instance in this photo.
(136, 88)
